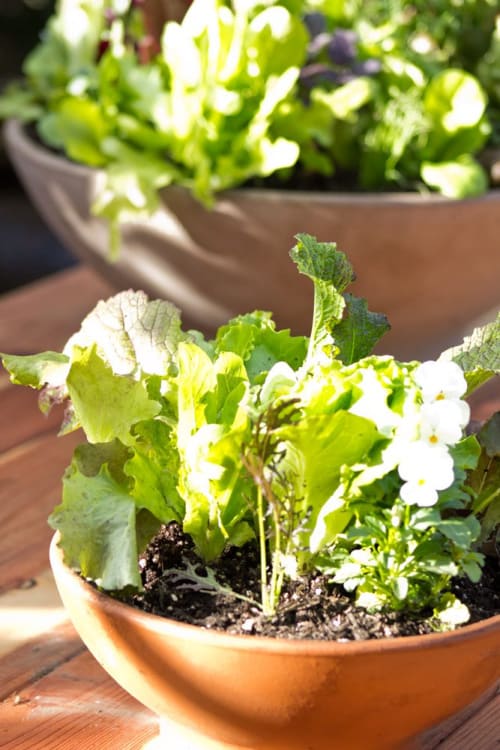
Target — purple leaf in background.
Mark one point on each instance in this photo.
(315, 24)
(342, 49)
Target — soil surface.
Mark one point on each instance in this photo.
(312, 608)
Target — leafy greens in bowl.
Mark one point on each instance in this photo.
(325, 456)
(302, 93)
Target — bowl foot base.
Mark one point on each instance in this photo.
(174, 737)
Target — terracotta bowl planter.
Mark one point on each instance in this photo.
(431, 264)
(221, 692)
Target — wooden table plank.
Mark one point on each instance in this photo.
(43, 315)
(75, 706)
(480, 732)
(28, 611)
(36, 658)
(30, 487)
(21, 418)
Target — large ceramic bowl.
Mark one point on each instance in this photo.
(432, 265)
(225, 692)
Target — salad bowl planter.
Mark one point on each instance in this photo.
(227, 692)
(270, 470)
(430, 262)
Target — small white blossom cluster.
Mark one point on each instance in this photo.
(427, 465)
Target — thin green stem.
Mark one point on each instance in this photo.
(276, 564)
(266, 604)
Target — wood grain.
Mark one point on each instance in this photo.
(481, 732)
(29, 611)
(36, 658)
(75, 706)
(21, 418)
(44, 315)
(30, 487)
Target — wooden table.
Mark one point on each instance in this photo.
(54, 695)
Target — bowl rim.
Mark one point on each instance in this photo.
(17, 140)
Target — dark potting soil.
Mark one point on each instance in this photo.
(311, 608)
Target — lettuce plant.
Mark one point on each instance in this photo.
(324, 455)
(309, 93)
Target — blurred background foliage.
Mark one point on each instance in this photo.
(28, 250)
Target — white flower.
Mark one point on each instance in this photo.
(425, 469)
(372, 404)
(440, 380)
(442, 422)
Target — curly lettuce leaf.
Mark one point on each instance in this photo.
(331, 273)
(336, 316)
(479, 355)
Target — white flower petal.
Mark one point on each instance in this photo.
(441, 422)
(440, 380)
(413, 493)
(427, 465)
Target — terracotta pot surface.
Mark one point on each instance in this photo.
(432, 265)
(222, 692)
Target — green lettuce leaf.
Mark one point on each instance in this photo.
(78, 126)
(255, 339)
(105, 404)
(455, 103)
(97, 521)
(88, 459)
(19, 102)
(153, 468)
(212, 424)
(358, 332)
(322, 443)
(485, 480)
(37, 370)
(462, 178)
